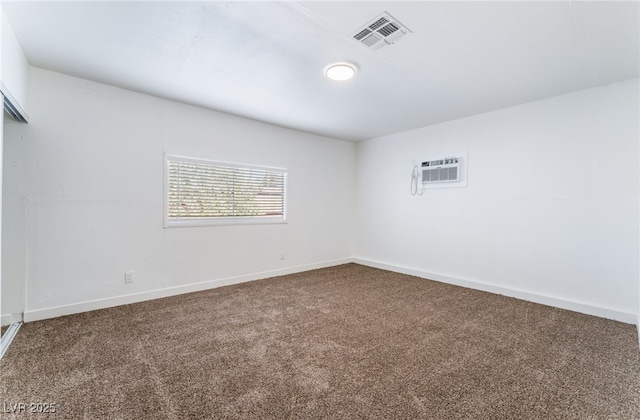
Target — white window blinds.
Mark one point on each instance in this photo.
(208, 192)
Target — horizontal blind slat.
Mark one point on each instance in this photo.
(199, 190)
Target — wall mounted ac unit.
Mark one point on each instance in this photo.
(441, 170)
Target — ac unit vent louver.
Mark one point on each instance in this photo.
(441, 170)
(378, 23)
(381, 31)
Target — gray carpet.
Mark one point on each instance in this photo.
(345, 342)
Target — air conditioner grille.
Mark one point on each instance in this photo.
(362, 34)
(381, 31)
(441, 170)
(371, 40)
(378, 23)
(388, 29)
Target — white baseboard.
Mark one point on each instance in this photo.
(54, 312)
(628, 318)
(8, 319)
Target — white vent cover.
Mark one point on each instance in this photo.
(381, 31)
(441, 170)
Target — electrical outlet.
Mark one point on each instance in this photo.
(282, 255)
(129, 277)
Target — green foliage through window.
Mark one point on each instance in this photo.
(212, 191)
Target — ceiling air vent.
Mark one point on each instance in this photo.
(381, 31)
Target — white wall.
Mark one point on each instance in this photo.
(551, 209)
(550, 214)
(13, 222)
(2, 320)
(94, 190)
(13, 85)
(13, 67)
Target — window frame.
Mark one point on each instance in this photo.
(222, 221)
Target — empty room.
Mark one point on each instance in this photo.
(315, 209)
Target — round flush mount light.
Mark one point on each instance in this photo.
(341, 71)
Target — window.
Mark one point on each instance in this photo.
(202, 192)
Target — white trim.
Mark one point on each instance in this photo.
(53, 312)
(585, 308)
(8, 336)
(5, 91)
(225, 221)
(165, 191)
(224, 163)
(75, 308)
(8, 319)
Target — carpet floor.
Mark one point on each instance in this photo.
(347, 342)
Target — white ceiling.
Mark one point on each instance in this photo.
(266, 60)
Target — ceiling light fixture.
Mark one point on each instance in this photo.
(341, 71)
